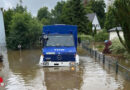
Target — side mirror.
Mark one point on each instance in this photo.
(45, 37)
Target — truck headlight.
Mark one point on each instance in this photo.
(42, 55)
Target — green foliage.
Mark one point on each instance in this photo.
(43, 13)
(57, 12)
(110, 21)
(21, 28)
(101, 36)
(86, 37)
(45, 21)
(8, 14)
(7, 20)
(117, 47)
(90, 28)
(88, 9)
(24, 30)
(97, 6)
(94, 32)
(127, 55)
(121, 12)
(100, 47)
(74, 14)
(20, 9)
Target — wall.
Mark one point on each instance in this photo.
(96, 22)
(113, 35)
(2, 30)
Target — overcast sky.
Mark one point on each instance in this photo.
(32, 5)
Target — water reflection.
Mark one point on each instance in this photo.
(4, 66)
(22, 72)
(63, 78)
(97, 78)
(25, 73)
(25, 70)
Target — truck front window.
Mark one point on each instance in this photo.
(60, 40)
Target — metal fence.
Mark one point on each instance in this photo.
(109, 61)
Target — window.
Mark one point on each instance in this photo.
(60, 40)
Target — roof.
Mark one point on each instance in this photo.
(114, 29)
(91, 16)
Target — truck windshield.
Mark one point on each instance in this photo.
(60, 40)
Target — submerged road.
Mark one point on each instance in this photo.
(22, 72)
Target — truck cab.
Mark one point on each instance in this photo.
(59, 46)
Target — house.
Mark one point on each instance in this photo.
(2, 29)
(92, 17)
(113, 33)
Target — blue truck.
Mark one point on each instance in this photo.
(59, 46)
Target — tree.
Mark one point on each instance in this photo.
(97, 6)
(45, 21)
(90, 28)
(110, 20)
(21, 28)
(24, 30)
(57, 12)
(34, 31)
(121, 12)
(20, 9)
(43, 13)
(74, 14)
(7, 20)
(8, 14)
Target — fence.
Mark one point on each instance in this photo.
(111, 62)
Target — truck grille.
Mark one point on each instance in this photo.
(60, 57)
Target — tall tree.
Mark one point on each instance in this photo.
(97, 6)
(43, 13)
(57, 12)
(74, 14)
(24, 30)
(8, 14)
(110, 20)
(20, 9)
(121, 12)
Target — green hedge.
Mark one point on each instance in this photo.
(86, 37)
(101, 36)
(117, 47)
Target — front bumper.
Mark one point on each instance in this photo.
(50, 63)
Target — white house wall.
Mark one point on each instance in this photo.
(113, 35)
(2, 29)
(96, 22)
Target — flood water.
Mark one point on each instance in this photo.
(21, 71)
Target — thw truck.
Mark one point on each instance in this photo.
(59, 46)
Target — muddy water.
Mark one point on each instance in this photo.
(21, 71)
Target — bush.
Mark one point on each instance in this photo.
(86, 37)
(101, 36)
(117, 47)
(24, 30)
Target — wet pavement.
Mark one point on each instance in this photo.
(21, 71)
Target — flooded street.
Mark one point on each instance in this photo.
(21, 71)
